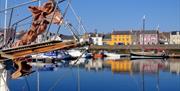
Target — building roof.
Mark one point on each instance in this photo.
(145, 31)
(95, 34)
(175, 31)
(107, 36)
(134, 32)
(150, 31)
(164, 34)
(66, 37)
(121, 32)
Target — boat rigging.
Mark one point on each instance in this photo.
(42, 18)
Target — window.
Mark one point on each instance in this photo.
(173, 33)
(97, 39)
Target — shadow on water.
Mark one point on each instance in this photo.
(99, 74)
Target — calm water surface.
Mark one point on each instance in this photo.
(102, 75)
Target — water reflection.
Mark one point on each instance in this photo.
(94, 65)
(119, 74)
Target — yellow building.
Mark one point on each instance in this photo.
(121, 38)
(107, 42)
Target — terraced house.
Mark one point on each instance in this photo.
(121, 38)
(175, 37)
(149, 37)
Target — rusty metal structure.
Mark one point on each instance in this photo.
(42, 16)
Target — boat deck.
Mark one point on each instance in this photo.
(37, 48)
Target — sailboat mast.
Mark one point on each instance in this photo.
(39, 2)
(143, 29)
(5, 22)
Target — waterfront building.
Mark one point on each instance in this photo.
(135, 37)
(164, 38)
(149, 37)
(107, 39)
(121, 38)
(97, 39)
(175, 37)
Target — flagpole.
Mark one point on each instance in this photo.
(39, 2)
(144, 18)
(5, 22)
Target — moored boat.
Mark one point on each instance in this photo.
(147, 55)
(78, 53)
(61, 55)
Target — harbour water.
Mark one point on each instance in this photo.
(101, 75)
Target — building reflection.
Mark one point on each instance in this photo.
(94, 65)
(174, 66)
(151, 66)
(147, 66)
(44, 66)
(120, 65)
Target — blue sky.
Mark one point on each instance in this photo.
(106, 15)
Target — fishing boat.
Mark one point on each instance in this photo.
(143, 54)
(147, 55)
(100, 54)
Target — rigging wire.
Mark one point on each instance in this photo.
(27, 83)
(78, 18)
(63, 17)
(68, 26)
(56, 6)
(26, 3)
(58, 80)
(65, 74)
(24, 24)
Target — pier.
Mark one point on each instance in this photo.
(171, 48)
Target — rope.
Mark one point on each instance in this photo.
(22, 20)
(56, 6)
(68, 26)
(75, 30)
(78, 19)
(65, 12)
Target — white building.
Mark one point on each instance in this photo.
(175, 37)
(97, 40)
